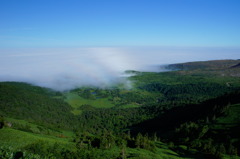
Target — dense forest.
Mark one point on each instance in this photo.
(192, 111)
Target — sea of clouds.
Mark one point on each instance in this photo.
(68, 68)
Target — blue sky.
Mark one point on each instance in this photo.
(107, 23)
(63, 44)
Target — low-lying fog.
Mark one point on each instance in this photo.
(67, 68)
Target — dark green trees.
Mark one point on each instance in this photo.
(1, 122)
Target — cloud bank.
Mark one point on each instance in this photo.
(67, 68)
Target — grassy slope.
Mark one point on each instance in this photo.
(38, 129)
(162, 152)
(18, 139)
(76, 101)
(230, 120)
(35, 104)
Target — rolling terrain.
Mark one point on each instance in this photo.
(188, 112)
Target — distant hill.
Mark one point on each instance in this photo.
(215, 64)
(215, 67)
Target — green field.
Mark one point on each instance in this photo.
(18, 139)
(76, 102)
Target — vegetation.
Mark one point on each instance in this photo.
(189, 113)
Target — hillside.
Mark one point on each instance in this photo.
(210, 65)
(32, 103)
(186, 113)
(215, 67)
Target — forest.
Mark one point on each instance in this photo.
(190, 111)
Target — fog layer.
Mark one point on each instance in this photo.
(67, 68)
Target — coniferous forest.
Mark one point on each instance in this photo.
(190, 111)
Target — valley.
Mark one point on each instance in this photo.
(191, 111)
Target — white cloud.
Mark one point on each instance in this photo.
(68, 68)
(64, 69)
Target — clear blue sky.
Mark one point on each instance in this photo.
(76, 23)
